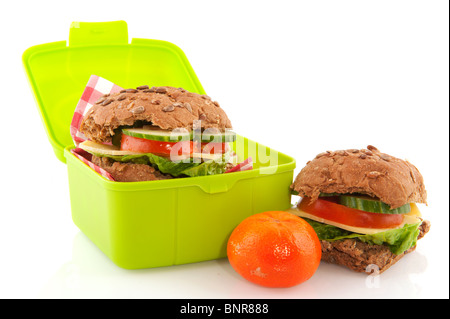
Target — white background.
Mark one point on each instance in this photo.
(299, 76)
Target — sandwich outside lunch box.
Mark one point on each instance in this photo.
(154, 223)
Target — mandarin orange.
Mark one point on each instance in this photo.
(274, 249)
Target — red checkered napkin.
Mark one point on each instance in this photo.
(244, 166)
(95, 88)
(85, 157)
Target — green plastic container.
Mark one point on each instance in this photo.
(156, 223)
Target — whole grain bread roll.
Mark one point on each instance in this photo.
(367, 171)
(166, 107)
(129, 172)
(364, 257)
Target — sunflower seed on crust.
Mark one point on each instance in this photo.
(138, 110)
(373, 174)
(372, 148)
(101, 100)
(160, 90)
(342, 153)
(107, 101)
(168, 108)
(188, 107)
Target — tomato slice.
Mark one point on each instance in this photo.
(142, 145)
(349, 216)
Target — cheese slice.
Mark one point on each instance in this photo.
(414, 211)
(412, 217)
(97, 148)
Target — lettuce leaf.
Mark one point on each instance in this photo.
(398, 240)
(166, 166)
(175, 169)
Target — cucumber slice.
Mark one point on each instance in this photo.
(157, 134)
(329, 194)
(218, 137)
(369, 204)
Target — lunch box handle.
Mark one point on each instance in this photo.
(98, 33)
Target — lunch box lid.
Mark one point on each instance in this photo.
(58, 72)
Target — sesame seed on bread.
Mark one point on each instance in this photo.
(166, 107)
(368, 171)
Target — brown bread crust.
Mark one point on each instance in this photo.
(166, 107)
(129, 172)
(358, 256)
(368, 171)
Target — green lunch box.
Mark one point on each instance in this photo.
(155, 223)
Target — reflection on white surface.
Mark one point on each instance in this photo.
(90, 274)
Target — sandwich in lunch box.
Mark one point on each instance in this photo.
(158, 133)
(361, 204)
